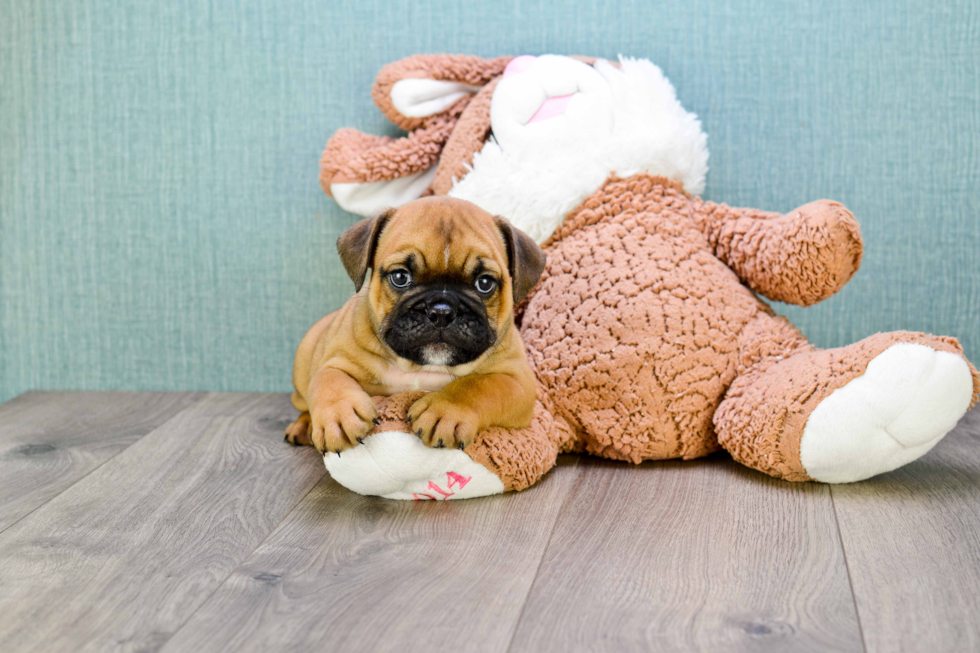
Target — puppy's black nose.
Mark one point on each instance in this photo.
(440, 312)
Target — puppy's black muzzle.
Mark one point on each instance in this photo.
(439, 323)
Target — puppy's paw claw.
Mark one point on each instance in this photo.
(299, 432)
(342, 424)
(440, 423)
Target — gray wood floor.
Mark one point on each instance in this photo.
(183, 522)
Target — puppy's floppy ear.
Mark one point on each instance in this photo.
(525, 260)
(358, 244)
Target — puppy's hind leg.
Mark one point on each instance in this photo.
(299, 432)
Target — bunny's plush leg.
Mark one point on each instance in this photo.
(846, 414)
(801, 257)
(520, 457)
(392, 462)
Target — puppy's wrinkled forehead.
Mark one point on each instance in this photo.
(438, 237)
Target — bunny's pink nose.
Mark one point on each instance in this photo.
(519, 64)
(553, 106)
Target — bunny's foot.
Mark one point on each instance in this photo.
(847, 414)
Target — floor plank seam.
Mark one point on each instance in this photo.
(244, 560)
(97, 467)
(544, 552)
(847, 568)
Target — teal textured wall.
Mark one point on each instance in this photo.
(161, 224)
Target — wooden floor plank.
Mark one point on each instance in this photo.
(698, 555)
(140, 513)
(352, 573)
(49, 440)
(123, 557)
(912, 541)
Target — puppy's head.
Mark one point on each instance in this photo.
(446, 275)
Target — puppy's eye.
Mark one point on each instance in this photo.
(485, 284)
(400, 278)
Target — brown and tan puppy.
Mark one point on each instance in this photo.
(436, 315)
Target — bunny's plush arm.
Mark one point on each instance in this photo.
(801, 257)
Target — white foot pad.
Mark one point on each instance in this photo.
(909, 397)
(396, 465)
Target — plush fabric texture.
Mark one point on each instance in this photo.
(635, 328)
(353, 156)
(623, 120)
(521, 457)
(801, 258)
(647, 347)
(517, 457)
(904, 402)
(467, 139)
(645, 332)
(393, 463)
(470, 135)
(776, 398)
(468, 69)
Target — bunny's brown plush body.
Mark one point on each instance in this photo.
(646, 333)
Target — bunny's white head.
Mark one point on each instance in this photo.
(561, 127)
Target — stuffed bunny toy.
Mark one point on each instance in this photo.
(646, 332)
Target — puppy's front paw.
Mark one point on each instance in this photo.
(342, 423)
(441, 423)
(298, 433)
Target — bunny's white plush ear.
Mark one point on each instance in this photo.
(371, 198)
(419, 98)
(366, 174)
(424, 85)
(425, 95)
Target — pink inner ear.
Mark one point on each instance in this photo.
(519, 64)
